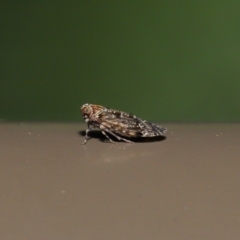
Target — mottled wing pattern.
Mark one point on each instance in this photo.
(128, 125)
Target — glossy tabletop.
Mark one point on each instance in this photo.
(184, 186)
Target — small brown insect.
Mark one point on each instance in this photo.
(118, 124)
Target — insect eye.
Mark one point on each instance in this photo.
(86, 110)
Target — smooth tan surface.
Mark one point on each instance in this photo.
(186, 186)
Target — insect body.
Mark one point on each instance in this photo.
(118, 124)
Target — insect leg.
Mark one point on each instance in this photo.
(86, 135)
(116, 136)
(108, 137)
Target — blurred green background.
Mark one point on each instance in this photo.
(161, 60)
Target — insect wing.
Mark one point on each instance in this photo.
(128, 125)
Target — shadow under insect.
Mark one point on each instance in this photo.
(98, 135)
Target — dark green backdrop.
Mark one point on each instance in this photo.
(162, 60)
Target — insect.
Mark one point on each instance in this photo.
(118, 124)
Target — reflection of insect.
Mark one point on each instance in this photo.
(118, 124)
